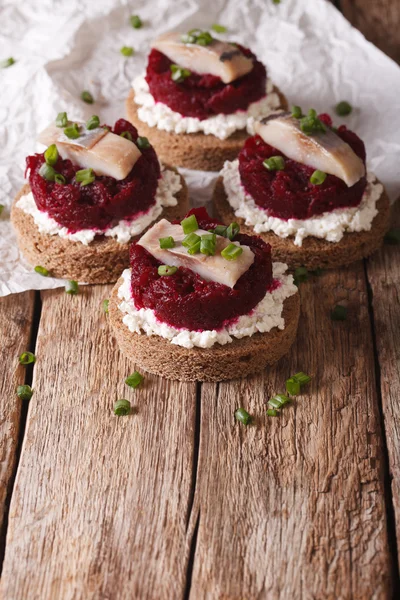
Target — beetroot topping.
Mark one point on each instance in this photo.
(102, 203)
(204, 96)
(288, 193)
(185, 300)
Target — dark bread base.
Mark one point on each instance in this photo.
(314, 253)
(240, 358)
(191, 150)
(102, 261)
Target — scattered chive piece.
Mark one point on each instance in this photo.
(271, 412)
(275, 163)
(276, 1)
(343, 108)
(292, 386)
(302, 378)
(87, 97)
(278, 401)
(208, 244)
(143, 143)
(318, 177)
(195, 249)
(122, 407)
(191, 240)
(41, 271)
(231, 252)
(85, 176)
(300, 275)
(243, 416)
(93, 122)
(179, 74)
(167, 242)
(297, 113)
(127, 135)
(51, 155)
(72, 132)
(339, 313)
(47, 172)
(58, 178)
(24, 392)
(61, 119)
(393, 236)
(220, 230)
(134, 380)
(218, 28)
(105, 305)
(1, 208)
(7, 62)
(136, 22)
(232, 230)
(166, 270)
(27, 358)
(189, 224)
(71, 287)
(127, 51)
(311, 124)
(197, 36)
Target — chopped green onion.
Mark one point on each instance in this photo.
(105, 305)
(208, 244)
(127, 135)
(136, 22)
(343, 108)
(312, 113)
(318, 177)
(339, 313)
(127, 50)
(72, 132)
(195, 249)
(58, 178)
(7, 62)
(87, 97)
(51, 155)
(41, 271)
(93, 122)
(297, 113)
(292, 386)
(275, 163)
(122, 407)
(302, 378)
(393, 236)
(311, 124)
(71, 287)
(47, 172)
(271, 412)
(219, 28)
(166, 270)
(85, 176)
(232, 230)
(134, 380)
(196, 36)
(167, 242)
(1, 208)
(191, 240)
(232, 252)
(24, 392)
(27, 358)
(189, 224)
(179, 74)
(220, 230)
(243, 416)
(276, 1)
(278, 401)
(61, 119)
(300, 275)
(143, 143)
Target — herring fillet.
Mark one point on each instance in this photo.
(325, 152)
(221, 59)
(211, 268)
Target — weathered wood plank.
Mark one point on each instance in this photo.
(100, 504)
(294, 506)
(16, 312)
(384, 277)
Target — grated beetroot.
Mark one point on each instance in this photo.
(204, 96)
(288, 194)
(185, 300)
(105, 201)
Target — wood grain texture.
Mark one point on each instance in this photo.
(384, 278)
(293, 507)
(101, 503)
(16, 313)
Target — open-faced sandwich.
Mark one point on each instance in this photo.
(89, 194)
(197, 98)
(202, 301)
(303, 186)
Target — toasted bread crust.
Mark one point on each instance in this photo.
(192, 150)
(315, 252)
(102, 261)
(240, 358)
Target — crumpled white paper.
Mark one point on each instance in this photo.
(62, 48)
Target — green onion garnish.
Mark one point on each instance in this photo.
(136, 22)
(93, 122)
(105, 305)
(271, 412)
(72, 132)
(232, 230)
(219, 28)
(127, 50)
(189, 224)
(47, 172)
(166, 270)
(7, 62)
(195, 249)
(232, 252)
(191, 240)
(41, 271)
(122, 407)
(339, 313)
(71, 287)
(51, 155)
(27, 358)
(318, 177)
(143, 143)
(167, 242)
(393, 236)
(276, 1)
(292, 386)
(243, 416)
(220, 230)
(311, 124)
(300, 275)
(278, 401)
(179, 74)
(343, 108)
(297, 113)
(1, 208)
(275, 163)
(197, 36)
(61, 119)
(24, 392)
(127, 135)
(134, 380)
(87, 97)
(208, 244)
(302, 378)
(58, 178)
(85, 176)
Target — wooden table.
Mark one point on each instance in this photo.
(179, 500)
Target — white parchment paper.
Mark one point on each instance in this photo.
(64, 47)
